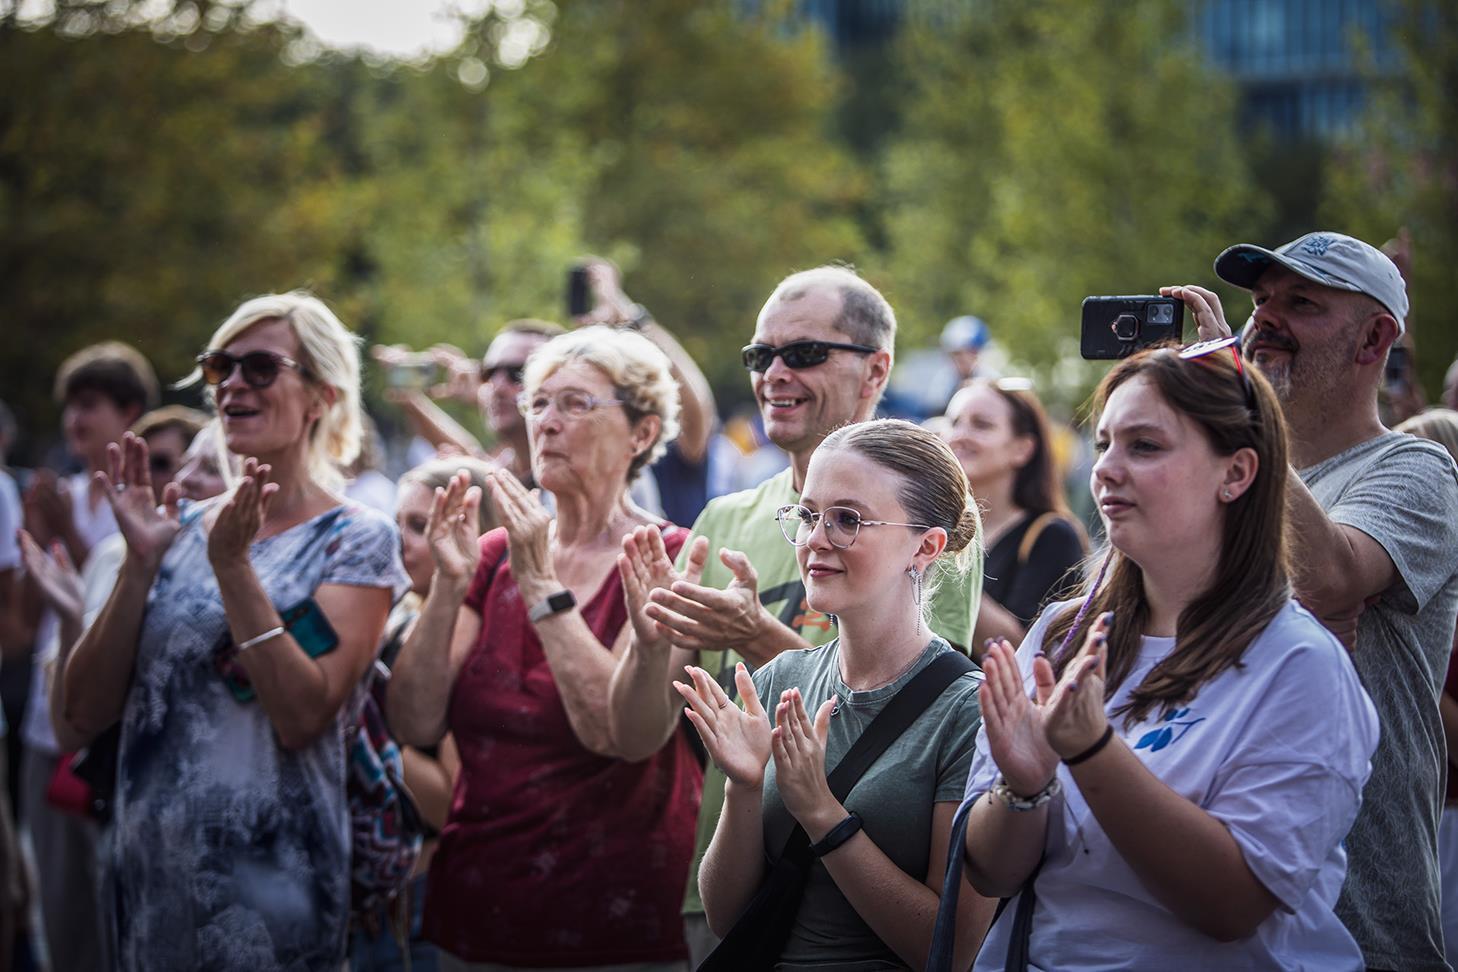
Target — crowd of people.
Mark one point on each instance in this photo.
(558, 697)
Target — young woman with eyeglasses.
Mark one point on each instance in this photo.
(1165, 775)
(885, 508)
(230, 825)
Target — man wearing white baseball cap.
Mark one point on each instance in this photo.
(1375, 530)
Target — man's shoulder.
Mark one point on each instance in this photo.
(729, 511)
(1390, 454)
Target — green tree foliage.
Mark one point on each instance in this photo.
(1055, 149)
(1400, 168)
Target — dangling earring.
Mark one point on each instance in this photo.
(915, 576)
(834, 621)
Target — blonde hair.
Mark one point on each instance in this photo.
(640, 373)
(329, 355)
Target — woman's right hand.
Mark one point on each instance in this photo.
(148, 529)
(643, 566)
(451, 529)
(738, 740)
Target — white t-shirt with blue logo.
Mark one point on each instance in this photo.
(1277, 749)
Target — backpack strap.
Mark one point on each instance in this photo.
(1031, 535)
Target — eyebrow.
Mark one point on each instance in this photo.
(1135, 429)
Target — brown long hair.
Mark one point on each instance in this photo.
(1252, 580)
(1036, 485)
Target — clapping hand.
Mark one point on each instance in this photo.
(55, 575)
(528, 533)
(47, 506)
(451, 529)
(241, 516)
(706, 619)
(799, 750)
(643, 566)
(738, 740)
(148, 529)
(1028, 736)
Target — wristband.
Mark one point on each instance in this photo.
(1093, 750)
(268, 635)
(553, 604)
(838, 835)
(1012, 801)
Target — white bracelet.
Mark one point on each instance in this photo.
(260, 639)
(1001, 791)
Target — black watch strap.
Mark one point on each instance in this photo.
(838, 835)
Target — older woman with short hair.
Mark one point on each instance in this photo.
(556, 851)
(232, 650)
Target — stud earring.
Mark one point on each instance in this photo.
(1225, 495)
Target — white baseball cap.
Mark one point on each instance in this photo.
(1330, 259)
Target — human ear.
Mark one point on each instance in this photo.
(644, 434)
(933, 542)
(1379, 334)
(1240, 472)
(877, 372)
(1023, 448)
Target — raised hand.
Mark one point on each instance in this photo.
(55, 575)
(47, 506)
(1204, 305)
(241, 516)
(738, 740)
(451, 529)
(644, 566)
(528, 533)
(1018, 727)
(706, 619)
(147, 528)
(1075, 718)
(799, 750)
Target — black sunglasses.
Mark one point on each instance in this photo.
(260, 368)
(797, 354)
(513, 373)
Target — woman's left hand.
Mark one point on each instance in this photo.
(240, 518)
(528, 533)
(56, 577)
(798, 745)
(1074, 718)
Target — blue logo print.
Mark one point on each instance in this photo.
(1317, 245)
(1156, 739)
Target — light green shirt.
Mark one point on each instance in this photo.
(745, 521)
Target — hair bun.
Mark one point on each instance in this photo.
(968, 527)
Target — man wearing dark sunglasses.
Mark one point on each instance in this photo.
(1374, 523)
(819, 359)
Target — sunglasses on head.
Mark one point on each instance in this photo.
(1204, 348)
(260, 368)
(797, 354)
(513, 373)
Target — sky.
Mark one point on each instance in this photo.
(402, 28)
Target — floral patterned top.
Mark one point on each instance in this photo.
(228, 851)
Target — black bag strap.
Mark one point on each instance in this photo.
(759, 934)
(944, 933)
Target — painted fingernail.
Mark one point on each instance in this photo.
(989, 643)
(1073, 686)
(1108, 617)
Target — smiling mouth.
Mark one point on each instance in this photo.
(239, 412)
(784, 402)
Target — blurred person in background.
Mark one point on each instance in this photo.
(557, 852)
(1000, 435)
(103, 389)
(380, 943)
(1441, 426)
(963, 341)
(492, 386)
(366, 484)
(12, 639)
(233, 649)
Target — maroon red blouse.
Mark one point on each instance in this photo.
(552, 855)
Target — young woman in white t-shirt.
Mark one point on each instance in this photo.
(1169, 772)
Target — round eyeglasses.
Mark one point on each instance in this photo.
(570, 402)
(842, 524)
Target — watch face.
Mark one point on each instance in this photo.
(561, 601)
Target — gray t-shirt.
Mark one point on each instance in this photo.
(1402, 492)
(928, 764)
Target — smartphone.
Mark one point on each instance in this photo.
(1116, 327)
(415, 372)
(579, 297)
(304, 621)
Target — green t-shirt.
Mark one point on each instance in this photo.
(927, 764)
(745, 521)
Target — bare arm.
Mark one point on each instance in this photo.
(433, 424)
(697, 410)
(733, 866)
(98, 673)
(994, 621)
(431, 781)
(443, 635)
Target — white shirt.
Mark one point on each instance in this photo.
(1277, 749)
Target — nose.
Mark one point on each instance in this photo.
(1107, 470)
(778, 370)
(818, 539)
